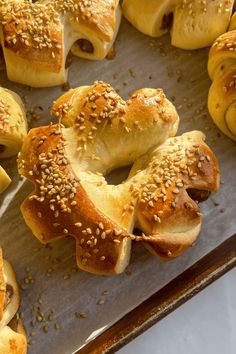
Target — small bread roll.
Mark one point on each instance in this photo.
(222, 94)
(94, 39)
(12, 333)
(13, 123)
(36, 37)
(4, 180)
(11, 309)
(193, 23)
(152, 17)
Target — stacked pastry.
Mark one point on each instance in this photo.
(12, 334)
(99, 132)
(13, 129)
(222, 71)
(37, 37)
(193, 23)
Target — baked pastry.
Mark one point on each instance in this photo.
(179, 174)
(97, 123)
(232, 25)
(12, 333)
(37, 37)
(99, 132)
(193, 23)
(4, 180)
(222, 94)
(13, 129)
(13, 123)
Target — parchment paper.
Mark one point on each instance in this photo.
(51, 284)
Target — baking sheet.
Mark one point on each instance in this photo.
(54, 291)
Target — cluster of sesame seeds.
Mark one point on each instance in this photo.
(4, 114)
(8, 123)
(92, 240)
(34, 25)
(38, 25)
(62, 110)
(129, 208)
(168, 174)
(58, 188)
(223, 7)
(226, 42)
(84, 10)
(231, 85)
(78, 9)
(102, 105)
(55, 184)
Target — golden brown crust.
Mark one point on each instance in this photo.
(52, 219)
(96, 15)
(166, 211)
(33, 31)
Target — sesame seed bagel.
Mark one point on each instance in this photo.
(99, 132)
(37, 37)
(12, 334)
(222, 93)
(193, 23)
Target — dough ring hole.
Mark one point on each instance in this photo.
(2, 148)
(167, 21)
(85, 45)
(198, 195)
(118, 175)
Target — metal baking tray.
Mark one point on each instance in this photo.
(66, 310)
